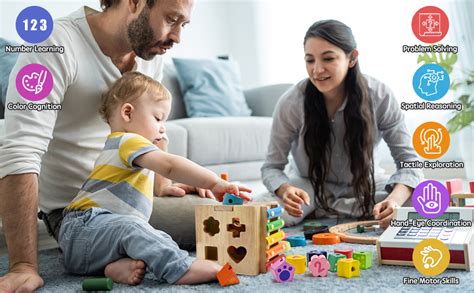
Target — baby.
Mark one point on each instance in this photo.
(105, 229)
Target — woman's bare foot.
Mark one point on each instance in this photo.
(201, 271)
(126, 270)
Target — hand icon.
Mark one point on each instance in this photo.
(430, 200)
(431, 257)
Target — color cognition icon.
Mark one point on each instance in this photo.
(430, 199)
(34, 82)
(431, 257)
(34, 24)
(431, 82)
(430, 24)
(431, 140)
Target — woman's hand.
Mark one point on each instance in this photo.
(293, 198)
(383, 212)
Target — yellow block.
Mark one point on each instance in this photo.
(274, 238)
(298, 261)
(348, 268)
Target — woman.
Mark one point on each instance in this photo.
(331, 122)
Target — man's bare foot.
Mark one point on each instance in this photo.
(201, 271)
(126, 270)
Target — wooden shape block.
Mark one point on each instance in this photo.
(326, 239)
(348, 268)
(226, 276)
(312, 253)
(230, 199)
(278, 258)
(298, 261)
(346, 251)
(319, 266)
(333, 258)
(365, 259)
(282, 271)
(311, 225)
(296, 241)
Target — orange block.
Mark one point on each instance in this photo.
(326, 239)
(226, 276)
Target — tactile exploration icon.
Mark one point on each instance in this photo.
(431, 140)
(34, 24)
(430, 24)
(34, 82)
(430, 199)
(431, 82)
(431, 257)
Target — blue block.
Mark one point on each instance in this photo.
(275, 212)
(296, 241)
(230, 199)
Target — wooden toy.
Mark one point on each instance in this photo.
(275, 225)
(457, 193)
(326, 239)
(298, 262)
(348, 268)
(287, 245)
(231, 199)
(312, 253)
(365, 259)
(237, 234)
(333, 259)
(395, 246)
(296, 241)
(311, 225)
(319, 266)
(274, 260)
(342, 231)
(346, 251)
(308, 234)
(282, 271)
(97, 284)
(226, 276)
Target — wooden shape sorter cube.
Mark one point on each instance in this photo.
(365, 259)
(348, 268)
(235, 234)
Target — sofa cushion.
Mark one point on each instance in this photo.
(225, 140)
(178, 139)
(211, 88)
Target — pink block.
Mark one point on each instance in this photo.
(454, 186)
(283, 271)
(319, 266)
(346, 251)
(471, 186)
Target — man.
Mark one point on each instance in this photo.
(99, 47)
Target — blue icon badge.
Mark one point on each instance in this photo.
(431, 82)
(34, 24)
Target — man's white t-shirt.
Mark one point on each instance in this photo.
(62, 145)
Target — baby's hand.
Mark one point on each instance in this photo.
(222, 187)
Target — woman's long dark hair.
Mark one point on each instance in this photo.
(358, 119)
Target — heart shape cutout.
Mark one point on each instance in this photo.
(237, 254)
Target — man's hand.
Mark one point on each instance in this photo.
(383, 212)
(21, 278)
(293, 197)
(180, 189)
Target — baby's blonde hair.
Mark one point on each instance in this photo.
(127, 89)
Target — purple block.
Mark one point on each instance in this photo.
(283, 271)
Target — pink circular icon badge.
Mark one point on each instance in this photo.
(34, 82)
(430, 24)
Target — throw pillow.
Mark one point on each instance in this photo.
(211, 88)
(7, 61)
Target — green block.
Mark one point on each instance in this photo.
(97, 284)
(311, 225)
(333, 259)
(365, 259)
(360, 229)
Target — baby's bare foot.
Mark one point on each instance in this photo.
(126, 270)
(201, 271)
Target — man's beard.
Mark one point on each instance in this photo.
(140, 35)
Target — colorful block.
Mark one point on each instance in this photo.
(274, 238)
(312, 253)
(274, 260)
(298, 261)
(319, 266)
(283, 271)
(364, 257)
(311, 225)
(274, 212)
(346, 251)
(231, 199)
(348, 268)
(333, 258)
(275, 225)
(226, 276)
(296, 241)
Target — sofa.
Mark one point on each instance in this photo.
(236, 145)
